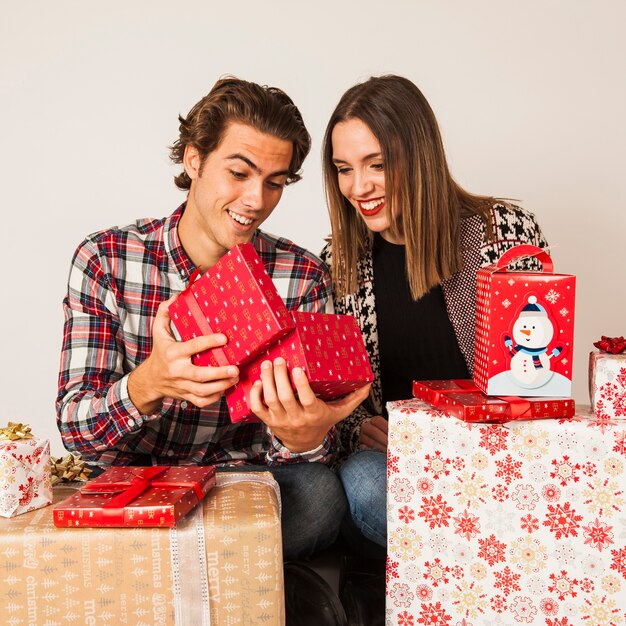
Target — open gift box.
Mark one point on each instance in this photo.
(236, 297)
(330, 350)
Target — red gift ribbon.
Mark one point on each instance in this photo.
(131, 489)
(612, 345)
(196, 312)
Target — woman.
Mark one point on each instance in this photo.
(406, 244)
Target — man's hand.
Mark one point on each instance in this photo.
(374, 434)
(169, 373)
(302, 422)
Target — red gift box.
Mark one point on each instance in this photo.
(432, 390)
(461, 399)
(330, 350)
(136, 496)
(524, 328)
(237, 298)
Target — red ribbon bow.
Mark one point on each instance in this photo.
(613, 345)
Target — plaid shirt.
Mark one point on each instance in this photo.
(117, 280)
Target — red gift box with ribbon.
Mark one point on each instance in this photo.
(524, 328)
(136, 496)
(330, 350)
(235, 297)
(463, 400)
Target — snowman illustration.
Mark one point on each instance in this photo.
(532, 333)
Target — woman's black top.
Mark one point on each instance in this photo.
(416, 339)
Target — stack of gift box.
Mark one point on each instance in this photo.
(135, 545)
(505, 502)
(170, 545)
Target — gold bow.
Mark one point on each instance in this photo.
(68, 468)
(15, 431)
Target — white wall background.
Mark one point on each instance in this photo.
(531, 98)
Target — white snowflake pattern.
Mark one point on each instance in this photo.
(506, 303)
(552, 296)
(563, 311)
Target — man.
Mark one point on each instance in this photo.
(128, 391)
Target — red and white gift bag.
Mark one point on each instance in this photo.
(524, 328)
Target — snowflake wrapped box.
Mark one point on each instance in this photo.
(607, 384)
(461, 399)
(235, 297)
(524, 328)
(221, 564)
(521, 523)
(24, 475)
(136, 496)
(330, 350)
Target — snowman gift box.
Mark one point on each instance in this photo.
(524, 328)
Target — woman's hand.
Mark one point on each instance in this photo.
(374, 434)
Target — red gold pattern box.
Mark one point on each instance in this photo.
(235, 297)
(457, 398)
(136, 496)
(328, 347)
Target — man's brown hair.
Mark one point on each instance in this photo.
(267, 109)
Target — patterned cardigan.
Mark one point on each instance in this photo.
(511, 226)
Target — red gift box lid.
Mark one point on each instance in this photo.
(136, 496)
(235, 297)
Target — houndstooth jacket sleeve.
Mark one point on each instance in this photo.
(510, 226)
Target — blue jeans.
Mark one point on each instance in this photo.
(313, 506)
(364, 479)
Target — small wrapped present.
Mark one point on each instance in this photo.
(330, 350)
(235, 297)
(24, 471)
(136, 496)
(458, 398)
(607, 378)
(524, 328)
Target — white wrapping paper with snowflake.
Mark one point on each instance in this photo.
(607, 378)
(24, 471)
(517, 523)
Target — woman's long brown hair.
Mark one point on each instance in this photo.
(423, 202)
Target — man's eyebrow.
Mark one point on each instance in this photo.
(254, 166)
